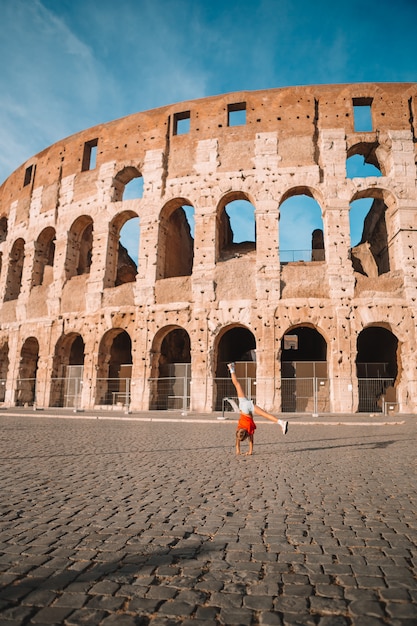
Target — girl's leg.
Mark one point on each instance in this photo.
(238, 387)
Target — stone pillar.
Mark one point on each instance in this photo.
(203, 286)
(268, 270)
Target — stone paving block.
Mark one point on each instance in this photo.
(105, 587)
(368, 620)
(401, 610)
(291, 604)
(258, 603)
(39, 597)
(363, 607)
(51, 615)
(108, 603)
(334, 620)
(209, 586)
(193, 621)
(180, 609)
(143, 605)
(326, 606)
(16, 614)
(397, 594)
(85, 617)
(268, 618)
(299, 618)
(207, 612)
(297, 590)
(161, 592)
(235, 617)
(74, 600)
(16, 593)
(370, 582)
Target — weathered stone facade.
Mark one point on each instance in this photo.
(70, 296)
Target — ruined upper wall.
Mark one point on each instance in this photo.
(296, 114)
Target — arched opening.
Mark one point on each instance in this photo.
(171, 389)
(79, 247)
(304, 382)
(3, 229)
(370, 256)
(4, 368)
(376, 368)
(114, 368)
(25, 394)
(15, 270)
(123, 249)
(300, 228)
(236, 227)
(176, 241)
(362, 161)
(43, 262)
(67, 371)
(238, 345)
(128, 184)
(134, 189)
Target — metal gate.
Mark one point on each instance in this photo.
(305, 395)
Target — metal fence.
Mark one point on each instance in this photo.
(171, 393)
(291, 256)
(298, 395)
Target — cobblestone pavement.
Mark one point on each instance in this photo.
(117, 522)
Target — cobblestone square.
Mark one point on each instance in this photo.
(144, 521)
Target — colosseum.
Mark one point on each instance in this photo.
(327, 326)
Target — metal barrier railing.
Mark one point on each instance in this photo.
(298, 395)
(291, 256)
(172, 393)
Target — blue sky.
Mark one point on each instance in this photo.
(67, 65)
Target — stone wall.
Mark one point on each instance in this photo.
(63, 275)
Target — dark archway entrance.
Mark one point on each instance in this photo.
(237, 345)
(304, 382)
(28, 367)
(172, 389)
(376, 368)
(68, 369)
(4, 367)
(114, 368)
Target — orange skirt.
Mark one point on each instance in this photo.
(246, 422)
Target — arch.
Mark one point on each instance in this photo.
(172, 364)
(67, 371)
(238, 344)
(127, 184)
(25, 394)
(236, 226)
(301, 235)
(114, 368)
(371, 255)
(175, 240)
(79, 247)
(15, 270)
(121, 266)
(44, 257)
(3, 229)
(4, 368)
(362, 160)
(304, 381)
(377, 367)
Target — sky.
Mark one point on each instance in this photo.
(67, 65)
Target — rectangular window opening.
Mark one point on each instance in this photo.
(90, 155)
(29, 173)
(236, 114)
(182, 123)
(362, 114)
